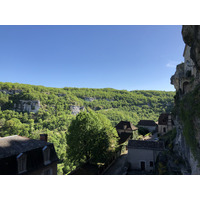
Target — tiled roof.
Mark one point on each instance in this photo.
(163, 119)
(146, 144)
(129, 125)
(124, 137)
(146, 123)
(13, 145)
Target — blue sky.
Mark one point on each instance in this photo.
(120, 57)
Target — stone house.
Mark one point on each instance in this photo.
(148, 124)
(24, 156)
(125, 131)
(165, 123)
(142, 154)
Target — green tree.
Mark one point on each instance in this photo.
(91, 138)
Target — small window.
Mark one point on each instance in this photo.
(47, 172)
(46, 155)
(21, 161)
(151, 163)
(164, 129)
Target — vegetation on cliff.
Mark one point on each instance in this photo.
(188, 109)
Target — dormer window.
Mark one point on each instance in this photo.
(125, 127)
(46, 155)
(21, 161)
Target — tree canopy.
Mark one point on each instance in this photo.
(91, 138)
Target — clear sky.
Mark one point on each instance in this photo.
(120, 57)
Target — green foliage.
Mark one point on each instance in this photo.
(54, 117)
(188, 108)
(168, 138)
(91, 138)
(143, 131)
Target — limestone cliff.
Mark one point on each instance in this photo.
(186, 81)
(27, 106)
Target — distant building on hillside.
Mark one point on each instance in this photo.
(25, 156)
(142, 154)
(125, 131)
(165, 123)
(148, 124)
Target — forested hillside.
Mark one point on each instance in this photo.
(57, 110)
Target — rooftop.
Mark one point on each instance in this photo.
(145, 144)
(128, 125)
(146, 123)
(13, 145)
(124, 137)
(163, 119)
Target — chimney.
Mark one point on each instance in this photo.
(43, 137)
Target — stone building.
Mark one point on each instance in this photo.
(125, 131)
(148, 124)
(142, 154)
(165, 123)
(24, 156)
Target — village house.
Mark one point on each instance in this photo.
(125, 131)
(148, 124)
(165, 123)
(24, 156)
(142, 154)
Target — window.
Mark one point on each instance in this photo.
(164, 129)
(47, 172)
(21, 161)
(151, 163)
(46, 155)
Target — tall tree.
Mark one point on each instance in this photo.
(91, 138)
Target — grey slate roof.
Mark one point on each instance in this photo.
(163, 119)
(13, 145)
(129, 125)
(146, 123)
(146, 144)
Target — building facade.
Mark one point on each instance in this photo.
(142, 155)
(165, 123)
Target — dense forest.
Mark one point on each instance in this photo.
(57, 111)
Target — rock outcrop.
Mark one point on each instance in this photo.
(27, 106)
(90, 99)
(11, 91)
(76, 109)
(186, 81)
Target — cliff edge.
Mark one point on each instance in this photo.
(186, 81)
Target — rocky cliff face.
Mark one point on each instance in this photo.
(186, 81)
(27, 106)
